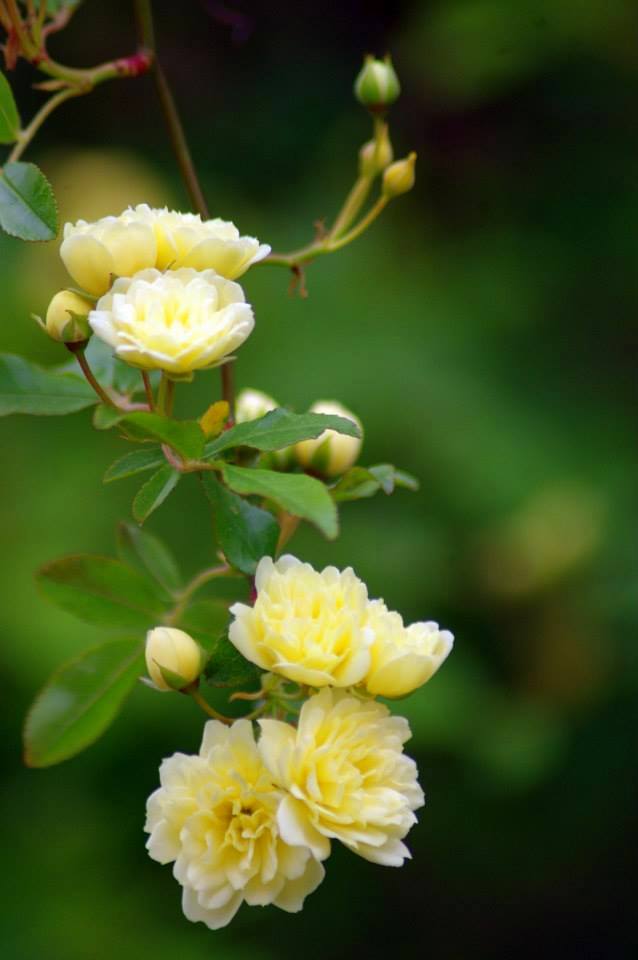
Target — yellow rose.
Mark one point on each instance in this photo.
(185, 240)
(215, 815)
(178, 322)
(306, 625)
(173, 650)
(96, 253)
(142, 237)
(330, 453)
(346, 775)
(402, 658)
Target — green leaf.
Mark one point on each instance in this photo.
(27, 205)
(102, 591)
(80, 701)
(137, 461)
(227, 668)
(185, 436)
(154, 492)
(27, 388)
(9, 116)
(105, 417)
(278, 429)
(244, 532)
(356, 484)
(142, 549)
(406, 480)
(298, 494)
(360, 482)
(206, 621)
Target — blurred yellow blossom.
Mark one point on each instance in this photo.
(215, 816)
(178, 322)
(346, 775)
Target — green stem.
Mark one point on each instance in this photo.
(88, 373)
(27, 135)
(191, 588)
(165, 395)
(363, 225)
(228, 390)
(206, 707)
(148, 390)
(144, 14)
(354, 202)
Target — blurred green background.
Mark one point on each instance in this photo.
(484, 331)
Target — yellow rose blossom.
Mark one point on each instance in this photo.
(142, 237)
(215, 816)
(346, 776)
(331, 453)
(306, 625)
(402, 658)
(178, 322)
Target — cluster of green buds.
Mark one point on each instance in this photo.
(377, 87)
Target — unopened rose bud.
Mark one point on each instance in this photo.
(399, 177)
(252, 404)
(173, 659)
(377, 85)
(375, 155)
(67, 317)
(330, 453)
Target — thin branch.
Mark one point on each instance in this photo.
(88, 373)
(148, 389)
(27, 135)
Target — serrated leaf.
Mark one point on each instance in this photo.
(137, 461)
(27, 388)
(227, 668)
(80, 701)
(154, 492)
(278, 429)
(27, 206)
(142, 549)
(245, 533)
(184, 436)
(102, 591)
(9, 116)
(296, 493)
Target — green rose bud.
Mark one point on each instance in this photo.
(399, 177)
(376, 154)
(377, 85)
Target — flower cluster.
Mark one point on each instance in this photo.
(163, 282)
(252, 821)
